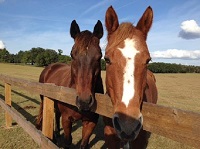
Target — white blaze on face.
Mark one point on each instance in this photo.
(129, 52)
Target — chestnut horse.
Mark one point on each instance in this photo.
(128, 81)
(84, 75)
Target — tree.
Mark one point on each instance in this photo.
(40, 60)
(4, 56)
(64, 59)
(12, 58)
(60, 52)
(19, 56)
(46, 57)
(172, 68)
(103, 64)
(34, 52)
(26, 57)
(51, 56)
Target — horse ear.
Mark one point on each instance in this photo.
(74, 29)
(145, 21)
(98, 30)
(111, 20)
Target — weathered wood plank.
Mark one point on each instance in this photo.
(179, 125)
(8, 118)
(28, 127)
(48, 117)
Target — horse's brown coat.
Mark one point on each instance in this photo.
(127, 119)
(84, 75)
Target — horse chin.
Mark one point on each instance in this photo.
(83, 108)
(124, 137)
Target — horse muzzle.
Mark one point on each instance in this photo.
(127, 128)
(85, 104)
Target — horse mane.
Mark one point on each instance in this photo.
(152, 75)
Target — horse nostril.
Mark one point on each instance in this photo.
(127, 127)
(116, 122)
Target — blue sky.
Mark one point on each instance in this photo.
(174, 36)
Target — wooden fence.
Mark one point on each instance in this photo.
(176, 124)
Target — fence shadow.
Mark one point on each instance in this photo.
(24, 96)
(27, 97)
(22, 110)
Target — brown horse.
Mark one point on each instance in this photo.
(128, 81)
(84, 75)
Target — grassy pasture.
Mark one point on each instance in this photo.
(175, 90)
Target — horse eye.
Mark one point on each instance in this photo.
(107, 59)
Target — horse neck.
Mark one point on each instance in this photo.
(151, 93)
(72, 82)
(99, 85)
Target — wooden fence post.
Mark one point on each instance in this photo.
(48, 117)
(8, 117)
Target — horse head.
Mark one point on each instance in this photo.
(86, 63)
(126, 59)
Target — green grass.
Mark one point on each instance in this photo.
(175, 90)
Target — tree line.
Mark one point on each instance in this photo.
(173, 68)
(36, 56)
(43, 57)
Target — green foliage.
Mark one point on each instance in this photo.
(34, 52)
(18, 57)
(46, 57)
(60, 52)
(64, 59)
(4, 56)
(26, 57)
(172, 68)
(36, 56)
(103, 64)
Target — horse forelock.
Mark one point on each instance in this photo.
(82, 41)
(125, 30)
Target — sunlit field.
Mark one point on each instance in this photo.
(175, 90)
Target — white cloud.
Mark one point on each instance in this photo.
(177, 54)
(189, 30)
(2, 45)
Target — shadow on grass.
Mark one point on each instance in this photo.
(98, 132)
(24, 96)
(27, 97)
(20, 109)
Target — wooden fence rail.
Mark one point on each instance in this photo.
(37, 136)
(179, 125)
